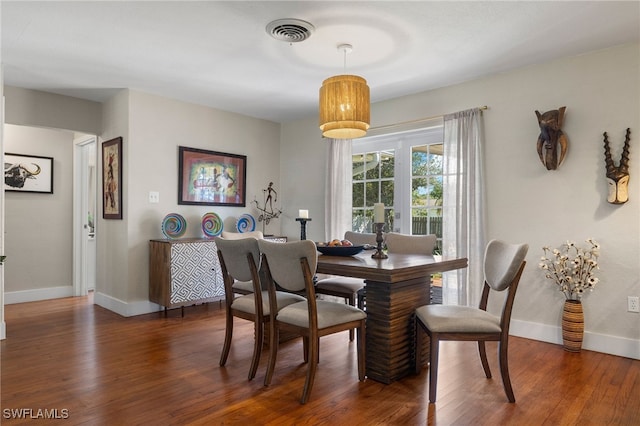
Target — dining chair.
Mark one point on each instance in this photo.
(503, 266)
(240, 259)
(292, 266)
(410, 244)
(346, 287)
(242, 287)
(403, 244)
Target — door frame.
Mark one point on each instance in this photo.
(80, 227)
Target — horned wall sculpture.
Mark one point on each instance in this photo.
(551, 136)
(617, 177)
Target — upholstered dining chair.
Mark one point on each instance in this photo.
(292, 266)
(346, 287)
(503, 266)
(403, 244)
(239, 259)
(242, 287)
(410, 244)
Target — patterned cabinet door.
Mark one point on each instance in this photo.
(195, 272)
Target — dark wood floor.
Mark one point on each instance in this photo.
(102, 369)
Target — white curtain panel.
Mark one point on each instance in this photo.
(463, 233)
(338, 188)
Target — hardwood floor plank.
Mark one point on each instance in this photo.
(148, 370)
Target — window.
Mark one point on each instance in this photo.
(426, 191)
(403, 171)
(373, 182)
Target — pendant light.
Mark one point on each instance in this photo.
(344, 104)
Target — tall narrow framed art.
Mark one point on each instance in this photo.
(112, 179)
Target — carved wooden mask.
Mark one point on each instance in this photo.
(617, 177)
(550, 137)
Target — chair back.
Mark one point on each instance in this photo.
(283, 262)
(233, 255)
(240, 235)
(410, 244)
(360, 238)
(503, 266)
(502, 262)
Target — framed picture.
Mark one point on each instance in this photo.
(28, 173)
(211, 178)
(112, 179)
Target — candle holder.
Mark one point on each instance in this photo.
(303, 226)
(379, 254)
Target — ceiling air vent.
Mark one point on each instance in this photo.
(290, 30)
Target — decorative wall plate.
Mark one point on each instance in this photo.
(174, 225)
(246, 223)
(211, 225)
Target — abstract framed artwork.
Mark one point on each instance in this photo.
(211, 178)
(28, 173)
(112, 179)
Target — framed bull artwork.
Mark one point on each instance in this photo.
(112, 179)
(211, 178)
(28, 173)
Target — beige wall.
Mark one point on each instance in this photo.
(153, 128)
(36, 108)
(38, 237)
(527, 203)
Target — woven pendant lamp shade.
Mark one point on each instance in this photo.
(344, 107)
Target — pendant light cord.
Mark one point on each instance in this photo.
(345, 60)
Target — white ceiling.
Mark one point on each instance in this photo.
(218, 53)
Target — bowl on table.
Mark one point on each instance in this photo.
(340, 250)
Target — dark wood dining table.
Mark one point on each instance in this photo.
(395, 287)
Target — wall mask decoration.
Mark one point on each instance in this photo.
(617, 177)
(551, 137)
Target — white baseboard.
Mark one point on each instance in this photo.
(3, 330)
(126, 309)
(613, 345)
(34, 295)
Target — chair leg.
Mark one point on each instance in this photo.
(273, 352)
(433, 367)
(228, 334)
(504, 371)
(417, 366)
(257, 347)
(361, 346)
(305, 348)
(483, 358)
(311, 368)
(351, 301)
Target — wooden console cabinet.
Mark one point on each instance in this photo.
(184, 272)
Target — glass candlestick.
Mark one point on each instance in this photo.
(379, 254)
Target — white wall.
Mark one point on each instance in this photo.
(527, 203)
(38, 241)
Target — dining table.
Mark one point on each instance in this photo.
(395, 287)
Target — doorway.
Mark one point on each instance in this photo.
(84, 214)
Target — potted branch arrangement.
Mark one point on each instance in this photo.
(572, 269)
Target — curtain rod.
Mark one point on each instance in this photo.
(419, 120)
